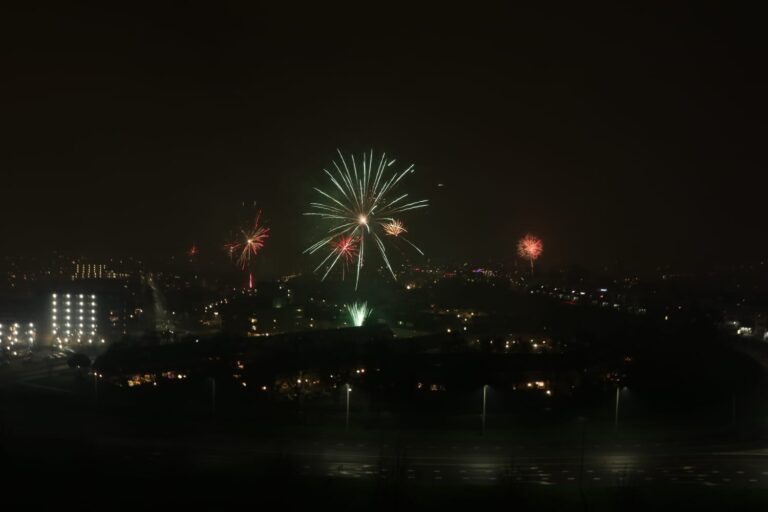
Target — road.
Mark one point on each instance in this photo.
(475, 461)
(480, 464)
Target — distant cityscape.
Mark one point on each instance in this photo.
(75, 302)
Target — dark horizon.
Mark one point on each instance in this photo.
(615, 135)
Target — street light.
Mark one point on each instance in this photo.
(349, 390)
(582, 420)
(485, 393)
(213, 395)
(616, 413)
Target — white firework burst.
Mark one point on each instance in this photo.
(362, 206)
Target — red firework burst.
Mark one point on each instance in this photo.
(530, 248)
(346, 247)
(248, 244)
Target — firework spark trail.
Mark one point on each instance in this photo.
(358, 313)
(360, 207)
(530, 247)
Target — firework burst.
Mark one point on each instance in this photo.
(361, 206)
(530, 247)
(358, 313)
(394, 228)
(346, 247)
(247, 245)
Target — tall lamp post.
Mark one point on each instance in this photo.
(485, 395)
(582, 420)
(616, 412)
(213, 395)
(349, 390)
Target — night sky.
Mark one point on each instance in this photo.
(621, 137)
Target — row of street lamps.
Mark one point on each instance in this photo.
(348, 391)
(485, 400)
